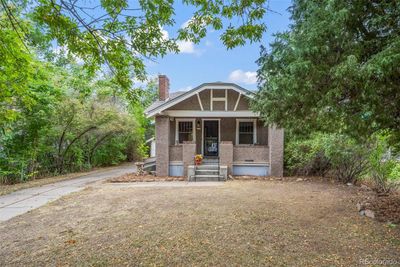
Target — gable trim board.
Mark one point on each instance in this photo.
(201, 104)
(212, 86)
(210, 114)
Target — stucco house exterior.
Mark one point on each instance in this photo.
(213, 120)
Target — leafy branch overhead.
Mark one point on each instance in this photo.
(121, 35)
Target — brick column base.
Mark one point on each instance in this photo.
(226, 155)
(275, 144)
(188, 153)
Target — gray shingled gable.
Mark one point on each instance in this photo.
(158, 103)
(179, 94)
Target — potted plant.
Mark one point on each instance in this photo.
(198, 159)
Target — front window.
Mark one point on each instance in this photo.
(185, 131)
(246, 133)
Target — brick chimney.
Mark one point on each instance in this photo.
(163, 87)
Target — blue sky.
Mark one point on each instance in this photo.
(210, 61)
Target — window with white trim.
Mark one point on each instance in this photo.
(185, 131)
(246, 132)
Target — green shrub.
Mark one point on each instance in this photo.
(307, 156)
(349, 160)
(385, 169)
(323, 154)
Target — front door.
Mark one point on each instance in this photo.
(210, 138)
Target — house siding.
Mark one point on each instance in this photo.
(192, 103)
(232, 98)
(262, 133)
(228, 129)
(263, 158)
(243, 104)
(205, 99)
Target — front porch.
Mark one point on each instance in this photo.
(243, 146)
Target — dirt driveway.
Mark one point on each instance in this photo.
(239, 223)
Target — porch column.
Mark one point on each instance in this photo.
(226, 155)
(188, 153)
(162, 145)
(275, 145)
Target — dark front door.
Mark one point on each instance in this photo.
(210, 138)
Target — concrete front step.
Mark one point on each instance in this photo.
(207, 167)
(203, 178)
(207, 172)
(209, 180)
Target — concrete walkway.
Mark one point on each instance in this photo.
(22, 201)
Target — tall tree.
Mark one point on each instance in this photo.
(121, 34)
(337, 68)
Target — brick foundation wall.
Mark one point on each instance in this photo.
(162, 145)
(175, 153)
(255, 153)
(226, 155)
(188, 153)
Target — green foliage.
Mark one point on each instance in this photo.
(74, 123)
(121, 34)
(335, 70)
(307, 156)
(19, 72)
(349, 160)
(327, 154)
(385, 168)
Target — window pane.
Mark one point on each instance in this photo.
(185, 126)
(246, 130)
(185, 131)
(245, 138)
(246, 127)
(185, 137)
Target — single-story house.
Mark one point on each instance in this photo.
(214, 120)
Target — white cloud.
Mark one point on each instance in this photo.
(248, 77)
(185, 47)
(165, 34)
(188, 47)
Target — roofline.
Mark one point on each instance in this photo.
(201, 87)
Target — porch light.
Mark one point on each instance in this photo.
(198, 125)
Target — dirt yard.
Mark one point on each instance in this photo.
(252, 223)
